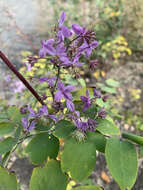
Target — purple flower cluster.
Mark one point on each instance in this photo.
(69, 55)
(66, 50)
(30, 120)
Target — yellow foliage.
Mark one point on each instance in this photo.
(117, 47)
(26, 53)
(96, 74)
(71, 183)
(135, 93)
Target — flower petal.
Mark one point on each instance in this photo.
(32, 125)
(78, 29)
(83, 98)
(62, 19)
(69, 88)
(58, 96)
(66, 31)
(24, 122)
(70, 105)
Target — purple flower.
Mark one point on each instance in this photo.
(43, 111)
(87, 48)
(23, 109)
(81, 125)
(32, 113)
(47, 47)
(75, 62)
(78, 30)
(50, 80)
(92, 124)
(8, 78)
(19, 86)
(93, 64)
(63, 31)
(70, 105)
(62, 19)
(86, 100)
(63, 91)
(104, 98)
(96, 93)
(28, 125)
(28, 66)
(102, 113)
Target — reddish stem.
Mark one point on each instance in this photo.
(21, 78)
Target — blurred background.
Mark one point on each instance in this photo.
(119, 29)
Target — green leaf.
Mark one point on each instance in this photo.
(64, 129)
(109, 90)
(76, 160)
(100, 103)
(141, 151)
(6, 145)
(6, 128)
(42, 146)
(14, 114)
(112, 82)
(121, 159)
(90, 187)
(98, 139)
(82, 82)
(135, 138)
(42, 126)
(49, 177)
(17, 133)
(107, 127)
(7, 180)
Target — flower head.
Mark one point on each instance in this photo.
(102, 113)
(28, 125)
(86, 100)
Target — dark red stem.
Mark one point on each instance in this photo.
(21, 78)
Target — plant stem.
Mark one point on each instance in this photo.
(21, 78)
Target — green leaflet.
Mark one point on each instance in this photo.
(7, 180)
(78, 158)
(107, 127)
(50, 177)
(64, 129)
(6, 128)
(42, 146)
(121, 159)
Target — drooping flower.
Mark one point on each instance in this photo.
(96, 93)
(28, 125)
(104, 98)
(93, 64)
(18, 87)
(87, 48)
(43, 111)
(92, 124)
(102, 113)
(81, 125)
(62, 19)
(78, 30)
(50, 80)
(8, 78)
(86, 100)
(63, 31)
(65, 92)
(47, 47)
